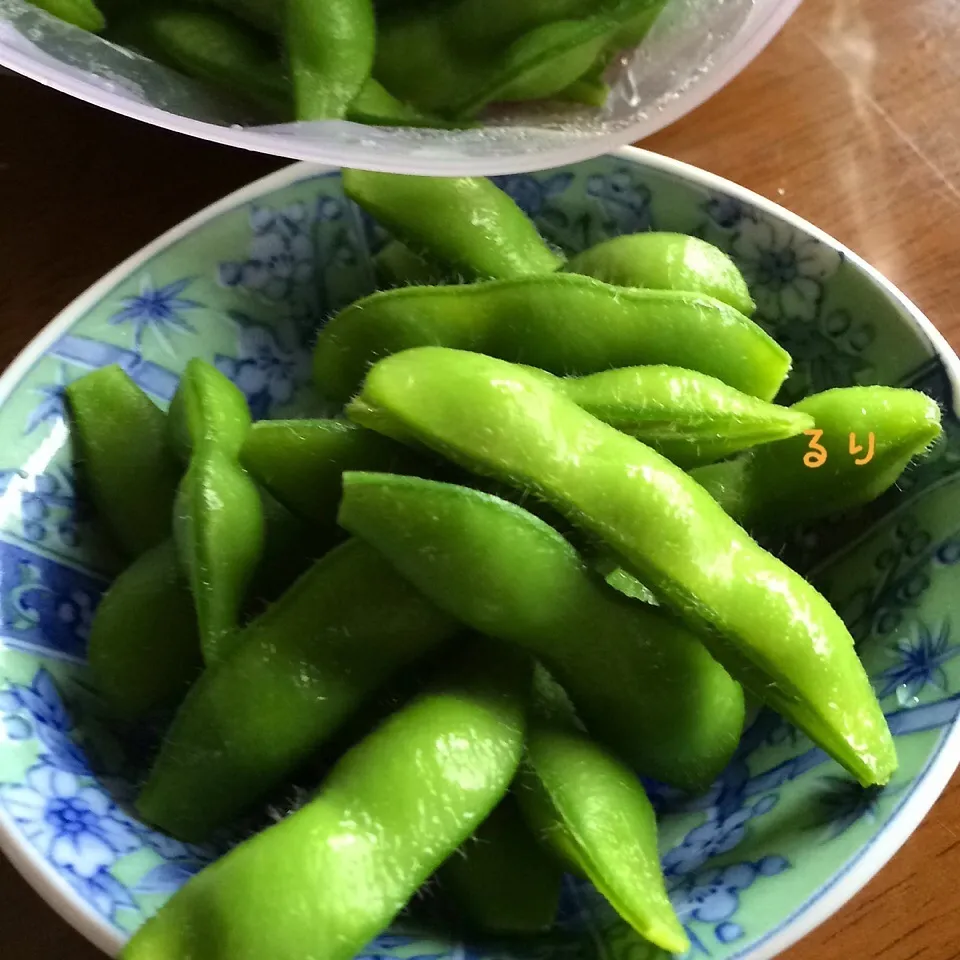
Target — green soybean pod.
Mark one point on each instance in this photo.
(266, 15)
(327, 879)
(563, 323)
(212, 46)
(218, 522)
(396, 265)
(594, 813)
(144, 648)
(501, 880)
(817, 473)
(330, 47)
(467, 224)
(207, 409)
(642, 683)
(666, 261)
(219, 532)
(687, 416)
(301, 462)
(81, 13)
(375, 105)
(770, 628)
(295, 674)
(122, 458)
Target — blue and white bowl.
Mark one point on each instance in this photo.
(783, 838)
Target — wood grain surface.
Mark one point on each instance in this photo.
(850, 118)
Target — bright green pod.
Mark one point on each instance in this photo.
(330, 47)
(301, 462)
(772, 630)
(122, 460)
(81, 13)
(294, 676)
(375, 105)
(501, 880)
(562, 323)
(457, 60)
(482, 234)
(327, 879)
(207, 410)
(144, 648)
(219, 531)
(594, 813)
(218, 521)
(642, 683)
(822, 472)
(666, 261)
(687, 416)
(396, 265)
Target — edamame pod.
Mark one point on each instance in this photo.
(687, 416)
(144, 649)
(212, 46)
(218, 513)
(301, 462)
(666, 261)
(374, 104)
(330, 47)
(81, 13)
(593, 812)
(562, 323)
(396, 265)
(266, 15)
(819, 473)
(642, 683)
(481, 233)
(295, 674)
(327, 879)
(501, 880)
(122, 458)
(770, 628)
(206, 410)
(456, 61)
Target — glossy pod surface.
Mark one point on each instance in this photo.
(687, 416)
(122, 459)
(642, 682)
(467, 224)
(562, 323)
(666, 261)
(295, 674)
(770, 628)
(330, 47)
(301, 461)
(218, 512)
(593, 812)
(814, 475)
(448, 758)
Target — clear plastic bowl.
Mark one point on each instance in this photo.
(694, 49)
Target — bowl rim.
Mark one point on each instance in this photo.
(817, 908)
(764, 23)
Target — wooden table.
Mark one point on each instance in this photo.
(851, 118)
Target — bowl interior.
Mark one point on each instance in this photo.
(781, 839)
(694, 48)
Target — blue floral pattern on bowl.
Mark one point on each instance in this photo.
(780, 831)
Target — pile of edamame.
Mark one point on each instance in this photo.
(515, 573)
(428, 63)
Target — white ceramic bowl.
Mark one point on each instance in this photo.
(695, 48)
